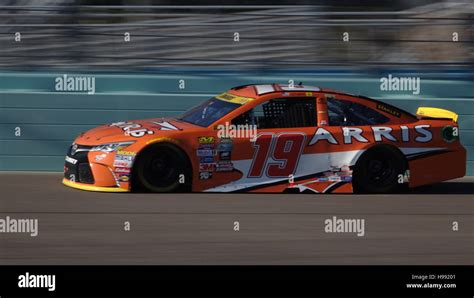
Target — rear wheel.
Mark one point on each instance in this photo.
(162, 168)
(378, 170)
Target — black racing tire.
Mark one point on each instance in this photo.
(378, 169)
(158, 169)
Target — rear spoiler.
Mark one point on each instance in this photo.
(437, 113)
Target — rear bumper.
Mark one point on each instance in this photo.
(89, 187)
(438, 168)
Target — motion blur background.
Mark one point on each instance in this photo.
(294, 40)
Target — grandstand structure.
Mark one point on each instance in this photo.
(67, 34)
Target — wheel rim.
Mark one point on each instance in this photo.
(380, 171)
(160, 170)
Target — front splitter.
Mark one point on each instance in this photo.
(87, 187)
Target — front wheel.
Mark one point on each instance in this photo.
(378, 170)
(162, 168)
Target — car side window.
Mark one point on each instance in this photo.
(348, 113)
(281, 113)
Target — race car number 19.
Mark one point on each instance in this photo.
(284, 149)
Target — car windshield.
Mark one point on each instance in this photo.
(208, 112)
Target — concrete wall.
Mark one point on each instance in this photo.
(50, 120)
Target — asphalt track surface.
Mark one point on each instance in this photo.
(79, 227)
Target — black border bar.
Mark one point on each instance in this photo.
(239, 281)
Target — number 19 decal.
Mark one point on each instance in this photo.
(276, 154)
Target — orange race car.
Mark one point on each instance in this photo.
(272, 138)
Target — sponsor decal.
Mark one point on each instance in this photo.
(329, 96)
(205, 175)
(71, 160)
(123, 161)
(346, 168)
(206, 140)
(449, 134)
(225, 155)
(206, 167)
(234, 98)
(122, 170)
(129, 153)
(225, 166)
(422, 132)
(207, 146)
(205, 152)
(124, 177)
(389, 110)
(336, 174)
(346, 178)
(211, 147)
(100, 157)
(206, 159)
(165, 125)
(133, 129)
(224, 148)
(74, 149)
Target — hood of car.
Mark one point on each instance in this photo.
(132, 131)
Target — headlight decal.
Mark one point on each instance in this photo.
(111, 147)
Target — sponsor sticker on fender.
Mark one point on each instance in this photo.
(129, 153)
(225, 166)
(205, 152)
(206, 140)
(100, 157)
(122, 170)
(124, 161)
(206, 159)
(71, 160)
(206, 167)
(124, 177)
(205, 175)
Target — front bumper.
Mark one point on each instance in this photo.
(83, 170)
(89, 187)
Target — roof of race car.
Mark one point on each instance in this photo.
(263, 89)
(245, 93)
